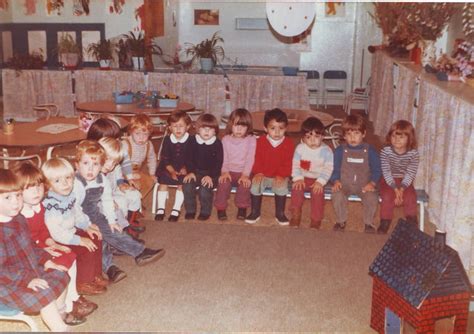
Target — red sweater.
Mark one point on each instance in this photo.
(273, 161)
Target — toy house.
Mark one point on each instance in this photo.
(421, 280)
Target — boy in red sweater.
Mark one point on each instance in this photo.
(272, 166)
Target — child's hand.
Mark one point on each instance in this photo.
(38, 283)
(298, 185)
(123, 187)
(317, 188)
(62, 248)
(257, 178)
(51, 265)
(398, 196)
(224, 177)
(88, 243)
(336, 186)
(279, 181)
(115, 227)
(206, 181)
(52, 251)
(135, 183)
(369, 187)
(190, 177)
(244, 180)
(94, 230)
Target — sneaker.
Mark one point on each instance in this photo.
(316, 224)
(252, 218)
(189, 216)
(369, 229)
(134, 228)
(100, 281)
(221, 215)
(90, 289)
(384, 226)
(160, 215)
(241, 213)
(83, 307)
(282, 220)
(339, 226)
(72, 319)
(115, 274)
(149, 255)
(203, 217)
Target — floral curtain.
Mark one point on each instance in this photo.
(444, 128)
(25, 89)
(262, 92)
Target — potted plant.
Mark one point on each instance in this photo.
(208, 51)
(103, 52)
(20, 61)
(139, 48)
(68, 51)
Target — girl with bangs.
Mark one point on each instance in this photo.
(239, 146)
(30, 281)
(399, 159)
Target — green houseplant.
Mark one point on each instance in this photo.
(139, 48)
(208, 51)
(102, 51)
(20, 61)
(68, 51)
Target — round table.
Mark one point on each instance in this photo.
(110, 107)
(295, 118)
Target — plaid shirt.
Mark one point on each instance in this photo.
(20, 262)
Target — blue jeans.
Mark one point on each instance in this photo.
(205, 194)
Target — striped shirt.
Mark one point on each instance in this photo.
(141, 153)
(400, 166)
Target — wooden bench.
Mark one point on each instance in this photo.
(421, 199)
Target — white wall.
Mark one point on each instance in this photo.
(6, 15)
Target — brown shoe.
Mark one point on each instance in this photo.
(83, 307)
(72, 319)
(90, 289)
(100, 281)
(315, 224)
(295, 220)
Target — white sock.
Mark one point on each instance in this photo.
(162, 197)
(178, 201)
(71, 295)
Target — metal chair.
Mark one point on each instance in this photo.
(11, 314)
(313, 81)
(358, 95)
(6, 158)
(47, 110)
(334, 83)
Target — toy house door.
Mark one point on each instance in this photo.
(392, 323)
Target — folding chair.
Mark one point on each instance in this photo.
(313, 81)
(334, 83)
(6, 158)
(45, 111)
(290, 71)
(358, 95)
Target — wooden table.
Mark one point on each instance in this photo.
(110, 107)
(295, 118)
(26, 135)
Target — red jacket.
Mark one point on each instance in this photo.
(273, 161)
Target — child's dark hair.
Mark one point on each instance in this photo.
(353, 123)
(275, 114)
(402, 127)
(104, 127)
(8, 181)
(177, 115)
(312, 124)
(29, 175)
(242, 117)
(207, 120)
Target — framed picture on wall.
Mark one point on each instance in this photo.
(206, 17)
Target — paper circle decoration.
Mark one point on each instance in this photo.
(290, 19)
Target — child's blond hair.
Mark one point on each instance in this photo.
(8, 181)
(28, 175)
(112, 148)
(56, 168)
(140, 121)
(91, 148)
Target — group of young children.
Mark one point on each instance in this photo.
(60, 227)
(201, 163)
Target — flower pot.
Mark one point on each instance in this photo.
(104, 64)
(138, 63)
(415, 55)
(8, 128)
(429, 53)
(207, 65)
(69, 60)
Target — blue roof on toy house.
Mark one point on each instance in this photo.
(416, 267)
